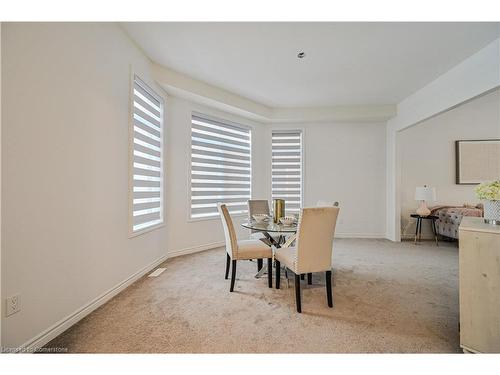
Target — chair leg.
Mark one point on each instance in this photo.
(233, 275)
(329, 288)
(309, 278)
(302, 276)
(278, 274)
(297, 293)
(228, 261)
(270, 272)
(259, 264)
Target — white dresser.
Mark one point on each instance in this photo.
(479, 267)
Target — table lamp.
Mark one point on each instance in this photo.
(423, 194)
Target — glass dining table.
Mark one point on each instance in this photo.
(275, 234)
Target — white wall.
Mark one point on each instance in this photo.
(427, 154)
(183, 234)
(474, 76)
(66, 90)
(65, 173)
(345, 162)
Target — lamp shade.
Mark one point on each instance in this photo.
(425, 193)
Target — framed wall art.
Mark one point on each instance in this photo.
(477, 161)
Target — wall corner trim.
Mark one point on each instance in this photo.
(185, 87)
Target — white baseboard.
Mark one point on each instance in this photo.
(194, 249)
(55, 330)
(411, 237)
(360, 235)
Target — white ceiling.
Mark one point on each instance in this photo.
(345, 63)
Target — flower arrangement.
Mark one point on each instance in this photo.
(489, 191)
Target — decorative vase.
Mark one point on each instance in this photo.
(278, 210)
(423, 210)
(492, 212)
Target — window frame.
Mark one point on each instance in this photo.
(302, 161)
(135, 77)
(243, 126)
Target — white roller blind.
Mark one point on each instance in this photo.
(287, 168)
(147, 172)
(220, 166)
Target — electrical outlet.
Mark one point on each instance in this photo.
(13, 305)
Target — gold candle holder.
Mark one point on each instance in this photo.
(278, 210)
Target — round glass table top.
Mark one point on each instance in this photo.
(270, 227)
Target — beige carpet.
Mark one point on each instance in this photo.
(388, 297)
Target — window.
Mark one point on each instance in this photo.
(287, 168)
(220, 166)
(147, 168)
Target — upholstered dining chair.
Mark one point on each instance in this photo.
(242, 249)
(312, 251)
(321, 203)
(258, 206)
(292, 238)
(255, 207)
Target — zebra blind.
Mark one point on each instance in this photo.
(287, 168)
(147, 176)
(220, 166)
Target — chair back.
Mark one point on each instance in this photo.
(229, 232)
(321, 203)
(315, 233)
(257, 206)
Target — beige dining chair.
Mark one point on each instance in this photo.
(258, 206)
(242, 249)
(321, 203)
(255, 207)
(312, 251)
(292, 238)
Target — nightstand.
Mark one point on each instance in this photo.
(418, 229)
